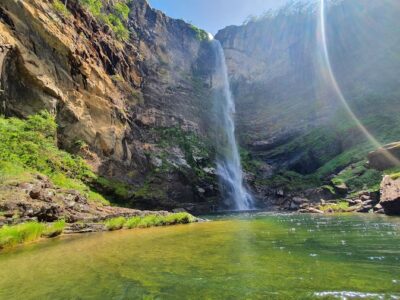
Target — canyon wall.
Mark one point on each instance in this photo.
(135, 109)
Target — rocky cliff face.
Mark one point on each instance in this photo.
(289, 113)
(136, 108)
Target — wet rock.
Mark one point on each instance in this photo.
(341, 189)
(304, 205)
(299, 200)
(365, 208)
(311, 210)
(318, 194)
(390, 195)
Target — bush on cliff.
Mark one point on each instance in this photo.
(30, 146)
(61, 8)
(115, 18)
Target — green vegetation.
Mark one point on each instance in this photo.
(249, 164)
(358, 177)
(291, 181)
(28, 232)
(395, 176)
(60, 7)
(115, 223)
(149, 221)
(132, 222)
(29, 147)
(394, 173)
(115, 18)
(148, 191)
(193, 146)
(341, 206)
(119, 189)
(54, 229)
(201, 35)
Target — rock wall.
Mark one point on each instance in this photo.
(116, 97)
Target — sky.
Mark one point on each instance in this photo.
(213, 15)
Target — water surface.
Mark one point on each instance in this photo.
(251, 256)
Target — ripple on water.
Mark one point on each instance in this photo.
(356, 295)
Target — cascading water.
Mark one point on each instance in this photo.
(229, 168)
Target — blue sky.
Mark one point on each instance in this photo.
(212, 15)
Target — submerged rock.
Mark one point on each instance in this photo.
(390, 195)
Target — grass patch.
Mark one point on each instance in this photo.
(341, 206)
(11, 236)
(115, 223)
(179, 218)
(22, 233)
(54, 229)
(132, 222)
(149, 221)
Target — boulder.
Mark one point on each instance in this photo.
(385, 157)
(390, 195)
(341, 189)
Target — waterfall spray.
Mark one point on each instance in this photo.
(229, 168)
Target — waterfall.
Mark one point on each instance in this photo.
(229, 168)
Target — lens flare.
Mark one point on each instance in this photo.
(330, 76)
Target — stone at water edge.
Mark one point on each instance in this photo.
(390, 195)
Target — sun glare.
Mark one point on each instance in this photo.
(329, 75)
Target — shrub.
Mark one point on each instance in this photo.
(60, 7)
(94, 6)
(201, 35)
(115, 19)
(115, 223)
(122, 10)
(118, 27)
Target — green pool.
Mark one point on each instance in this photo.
(247, 256)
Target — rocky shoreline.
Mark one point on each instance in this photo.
(39, 200)
(386, 201)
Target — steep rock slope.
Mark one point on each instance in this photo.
(135, 109)
(289, 114)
